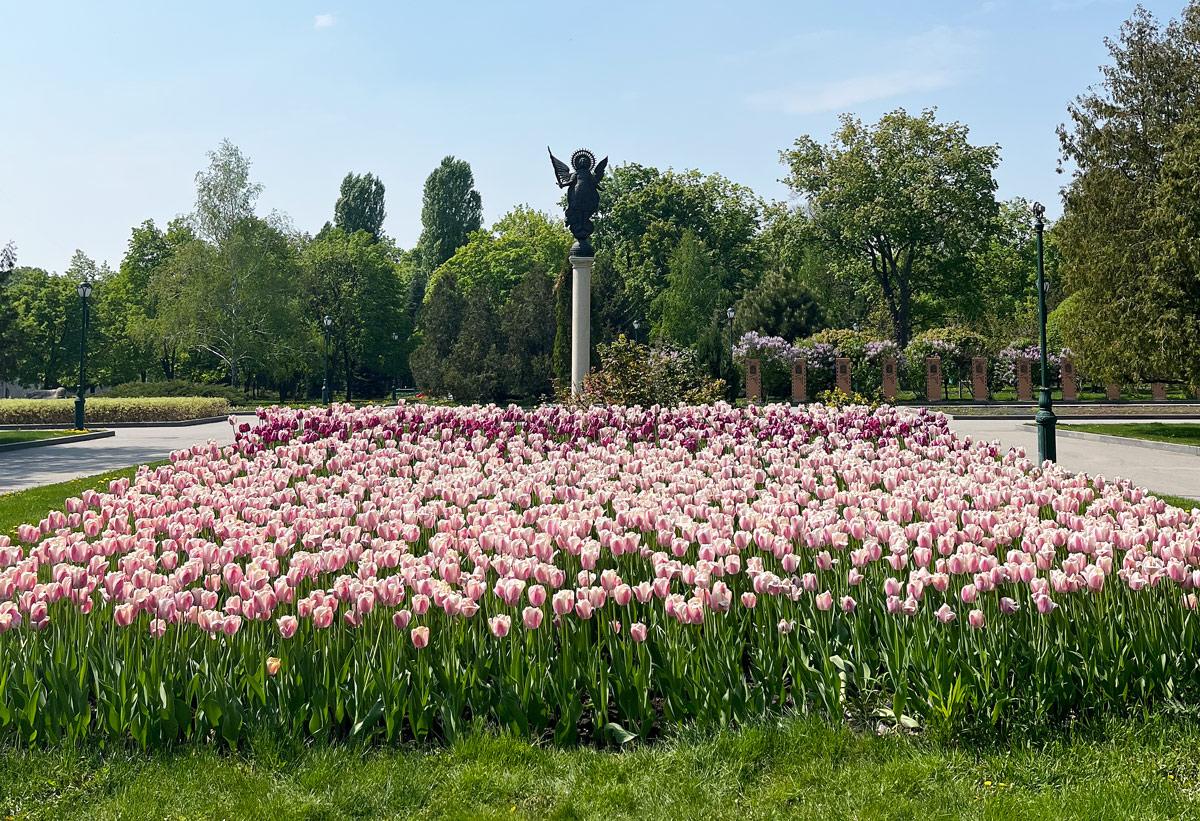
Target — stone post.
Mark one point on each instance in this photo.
(800, 381)
(1024, 379)
(754, 380)
(979, 385)
(842, 369)
(889, 379)
(933, 378)
(581, 320)
(1112, 391)
(1158, 391)
(1070, 388)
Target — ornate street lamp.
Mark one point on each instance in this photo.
(636, 324)
(326, 323)
(8, 261)
(395, 344)
(1047, 448)
(729, 313)
(85, 291)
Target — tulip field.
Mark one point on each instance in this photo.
(404, 572)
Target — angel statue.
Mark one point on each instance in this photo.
(582, 181)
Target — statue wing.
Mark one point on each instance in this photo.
(562, 171)
(599, 172)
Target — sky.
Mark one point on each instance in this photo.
(109, 108)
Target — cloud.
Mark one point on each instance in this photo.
(931, 60)
(324, 21)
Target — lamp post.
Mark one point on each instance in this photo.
(729, 312)
(85, 291)
(636, 324)
(8, 261)
(1047, 448)
(326, 324)
(395, 340)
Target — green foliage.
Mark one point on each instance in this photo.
(451, 210)
(780, 306)
(633, 374)
(225, 196)
(956, 346)
(360, 205)
(839, 398)
(529, 330)
(440, 320)
(693, 291)
(175, 387)
(909, 197)
(1130, 227)
(103, 410)
(474, 370)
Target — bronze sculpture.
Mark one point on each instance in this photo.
(582, 181)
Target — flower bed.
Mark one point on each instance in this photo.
(103, 410)
(404, 572)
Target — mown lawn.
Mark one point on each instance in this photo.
(8, 437)
(790, 768)
(30, 506)
(1181, 433)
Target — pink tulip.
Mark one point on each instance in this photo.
(945, 614)
(287, 626)
(848, 604)
(749, 600)
(824, 600)
(637, 632)
(420, 637)
(500, 625)
(975, 619)
(531, 617)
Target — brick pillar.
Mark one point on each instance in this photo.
(841, 367)
(1069, 387)
(754, 380)
(979, 386)
(1158, 391)
(1024, 380)
(889, 379)
(800, 381)
(933, 378)
(1112, 391)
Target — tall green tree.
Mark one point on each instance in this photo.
(438, 327)
(685, 307)
(451, 209)
(1128, 233)
(360, 205)
(225, 194)
(780, 306)
(910, 198)
(528, 326)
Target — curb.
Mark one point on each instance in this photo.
(57, 440)
(1150, 444)
(208, 420)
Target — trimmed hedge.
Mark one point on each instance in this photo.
(102, 410)
(176, 387)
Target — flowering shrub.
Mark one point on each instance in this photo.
(399, 572)
(633, 374)
(768, 349)
(956, 347)
(1004, 374)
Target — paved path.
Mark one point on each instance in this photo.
(1177, 474)
(131, 446)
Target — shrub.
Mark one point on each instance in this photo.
(175, 387)
(106, 410)
(956, 346)
(823, 347)
(634, 374)
(776, 356)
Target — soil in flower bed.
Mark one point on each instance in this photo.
(412, 572)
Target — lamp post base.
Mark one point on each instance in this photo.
(1047, 447)
(79, 413)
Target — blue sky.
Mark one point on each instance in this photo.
(109, 108)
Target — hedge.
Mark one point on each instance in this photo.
(104, 410)
(176, 387)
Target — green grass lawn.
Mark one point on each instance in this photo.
(8, 437)
(783, 768)
(789, 768)
(1182, 433)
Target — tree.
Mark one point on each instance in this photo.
(780, 306)
(528, 327)
(451, 209)
(685, 307)
(440, 319)
(351, 278)
(1129, 231)
(643, 215)
(360, 205)
(473, 371)
(909, 197)
(225, 196)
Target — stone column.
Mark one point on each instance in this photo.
(800, 381)
(979, 385)
(1024, 380)
(1158, 391)
(1069, 387)
(933, 378)
(889, 379)
(1112, 391)
(842, 368)
(581, 320)
(754, 380)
